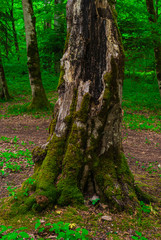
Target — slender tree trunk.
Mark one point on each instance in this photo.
(157, 8)
(157, 43)
(47, 23)
(83, 156)
(4, 94)
(14, 31)
(39, 99)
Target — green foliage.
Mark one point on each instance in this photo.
(17, 234)
(7, 162)
(61, 229)
(95, 201)
(12, 192)
(141, 102)
(144, 208)
(139, 236)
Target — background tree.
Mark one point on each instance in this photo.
(4, 28)
(39, 99)
(14, 28)
(153, 17)
(4, 94)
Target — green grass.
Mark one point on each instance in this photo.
(141, 103)
(18, 81)
(8, 160)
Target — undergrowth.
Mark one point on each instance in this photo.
(141, 102)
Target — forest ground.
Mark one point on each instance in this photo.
(142, 149)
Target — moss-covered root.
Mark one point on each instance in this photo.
(46, 175)
(68, 185)
(115, 183)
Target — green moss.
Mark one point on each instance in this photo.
(50, 193)
(61, 77)
(66, 42)
(68, 186)
(52, 127)
(82, 114)
(145, 197)
(71, 117)
(70, 194)
(111, 89)
(38, 155)
(51, 165)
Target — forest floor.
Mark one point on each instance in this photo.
(19, 135)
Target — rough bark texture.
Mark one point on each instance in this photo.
(39, 99)
(83, 156)
(153, 15)
(4, 94)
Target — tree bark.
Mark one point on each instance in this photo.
(4, 94)
(39, 99)
(153, 15)
(83, 156)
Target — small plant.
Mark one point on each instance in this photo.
(157, 145)
(23, 143)
(137, 163)
(15, 139)
(12, 192)
(26, 192)
(30, 181)
(95, 201)
(37, 226)
(145, 208)
(139, 236)
(5, 139)
(17, 234)
(31, 143)
(147, 141)
(63, 230)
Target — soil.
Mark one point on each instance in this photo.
(142, 149)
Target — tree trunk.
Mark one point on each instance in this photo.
(153, 15)
(83, 156)
(14, 32)
(39, 99)
(47, 23)
(4, 94)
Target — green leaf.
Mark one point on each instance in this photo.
(24, 234)
(37, 225)
(84, 232)
(41, 230)
(133, 237)
(48, 224)
(138, 233)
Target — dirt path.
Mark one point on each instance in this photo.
(24, 132)
(142, 149)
